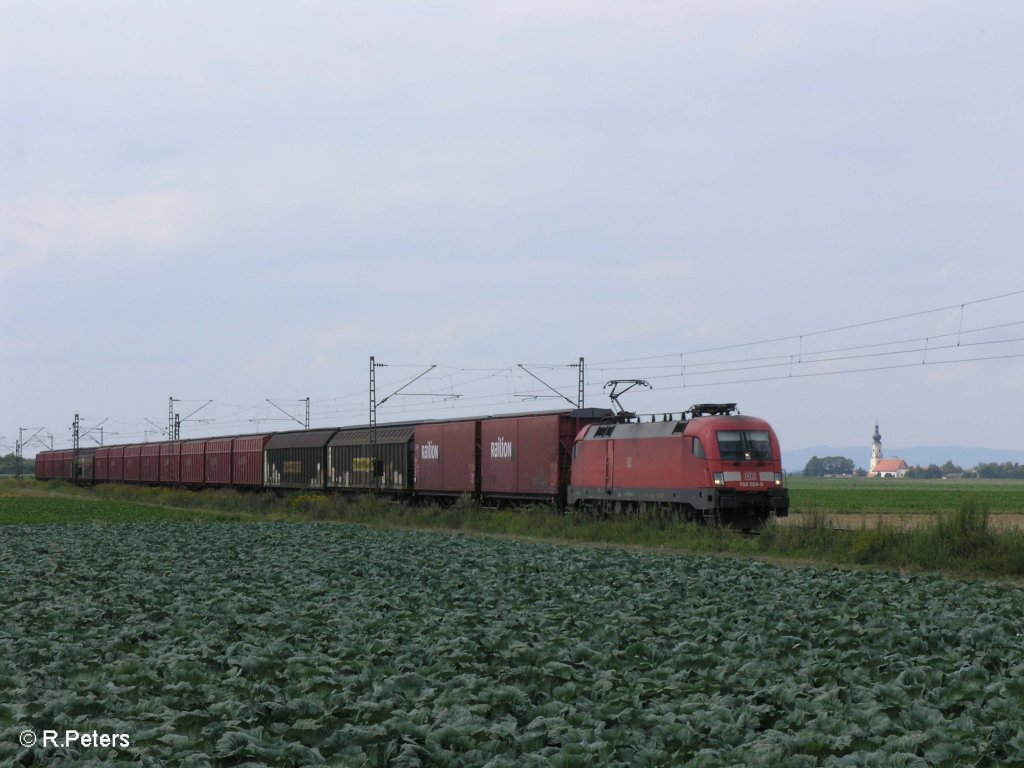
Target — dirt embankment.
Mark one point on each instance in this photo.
(999, 522)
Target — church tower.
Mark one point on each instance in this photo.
(876, 449)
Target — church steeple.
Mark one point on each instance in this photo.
(876, 448)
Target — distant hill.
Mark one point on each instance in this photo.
(796, 460)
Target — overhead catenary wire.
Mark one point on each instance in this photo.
(493, 389)
(800, 336)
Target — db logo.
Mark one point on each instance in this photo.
(750, 475)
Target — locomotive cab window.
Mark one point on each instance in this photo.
(744, 445)
(698, 448)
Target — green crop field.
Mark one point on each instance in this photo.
(57, 509)
(891, 496)
(283, 644)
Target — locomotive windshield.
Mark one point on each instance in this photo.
(744, 445)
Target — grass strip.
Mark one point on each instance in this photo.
(960, 542)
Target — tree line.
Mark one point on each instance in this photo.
(935, 472)
(1007, 470)
(828, 465)
(839, 465)
(9, 465)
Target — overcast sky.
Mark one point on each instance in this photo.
(242, 201)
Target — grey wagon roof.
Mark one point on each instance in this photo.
(306, 438)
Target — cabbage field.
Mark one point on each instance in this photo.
(278, 644)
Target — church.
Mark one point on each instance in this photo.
(881, 467)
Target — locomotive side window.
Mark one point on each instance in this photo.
(744, 445)
(698, 448)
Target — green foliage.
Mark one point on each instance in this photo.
(960, 541)
(828, 465)
(9, 465)
(302, 644)
(71, 510)
(1005, 471)
(965, 533)
(881, 544)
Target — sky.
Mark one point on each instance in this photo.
(813, 210)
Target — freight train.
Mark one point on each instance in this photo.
(708, 464)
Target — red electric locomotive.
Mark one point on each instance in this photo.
(716, 466)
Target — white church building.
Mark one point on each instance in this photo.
(880, 466)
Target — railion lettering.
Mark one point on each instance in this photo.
(501, 449)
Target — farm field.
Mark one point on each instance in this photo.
(901, 497)
(57, 509)
(856, 503)
(319, 643)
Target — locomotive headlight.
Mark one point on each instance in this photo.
(719, 478)
(778, 479)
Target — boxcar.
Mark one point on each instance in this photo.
(85, 465)
(247, 460)
(446, 458)
(297, 459)
(115, 463)
(218, 460)
(101, 464)
(170, 462)
(355, 463)
(51, 465)
(62, 464)
(193, 462)
(44, 465)
(65, 465)
(132, 463)
(149, 463)
(530, 456)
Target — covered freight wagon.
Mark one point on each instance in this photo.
(247, 459)
(101, 464)
(149, 463)
(530, 456)
(218, 460)
(65, 464)
(170, 462)
(357, 462)
(44, 465)
(297, 459)
(446, 457)
(115, 464)
(51, 465)
(132, 463)
(85, 465)
(193, 462)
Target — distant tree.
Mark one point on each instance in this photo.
(1004, 471)
(949, 468)
(931, 472)
(860, 472)
(9, 463)
(828, 465)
